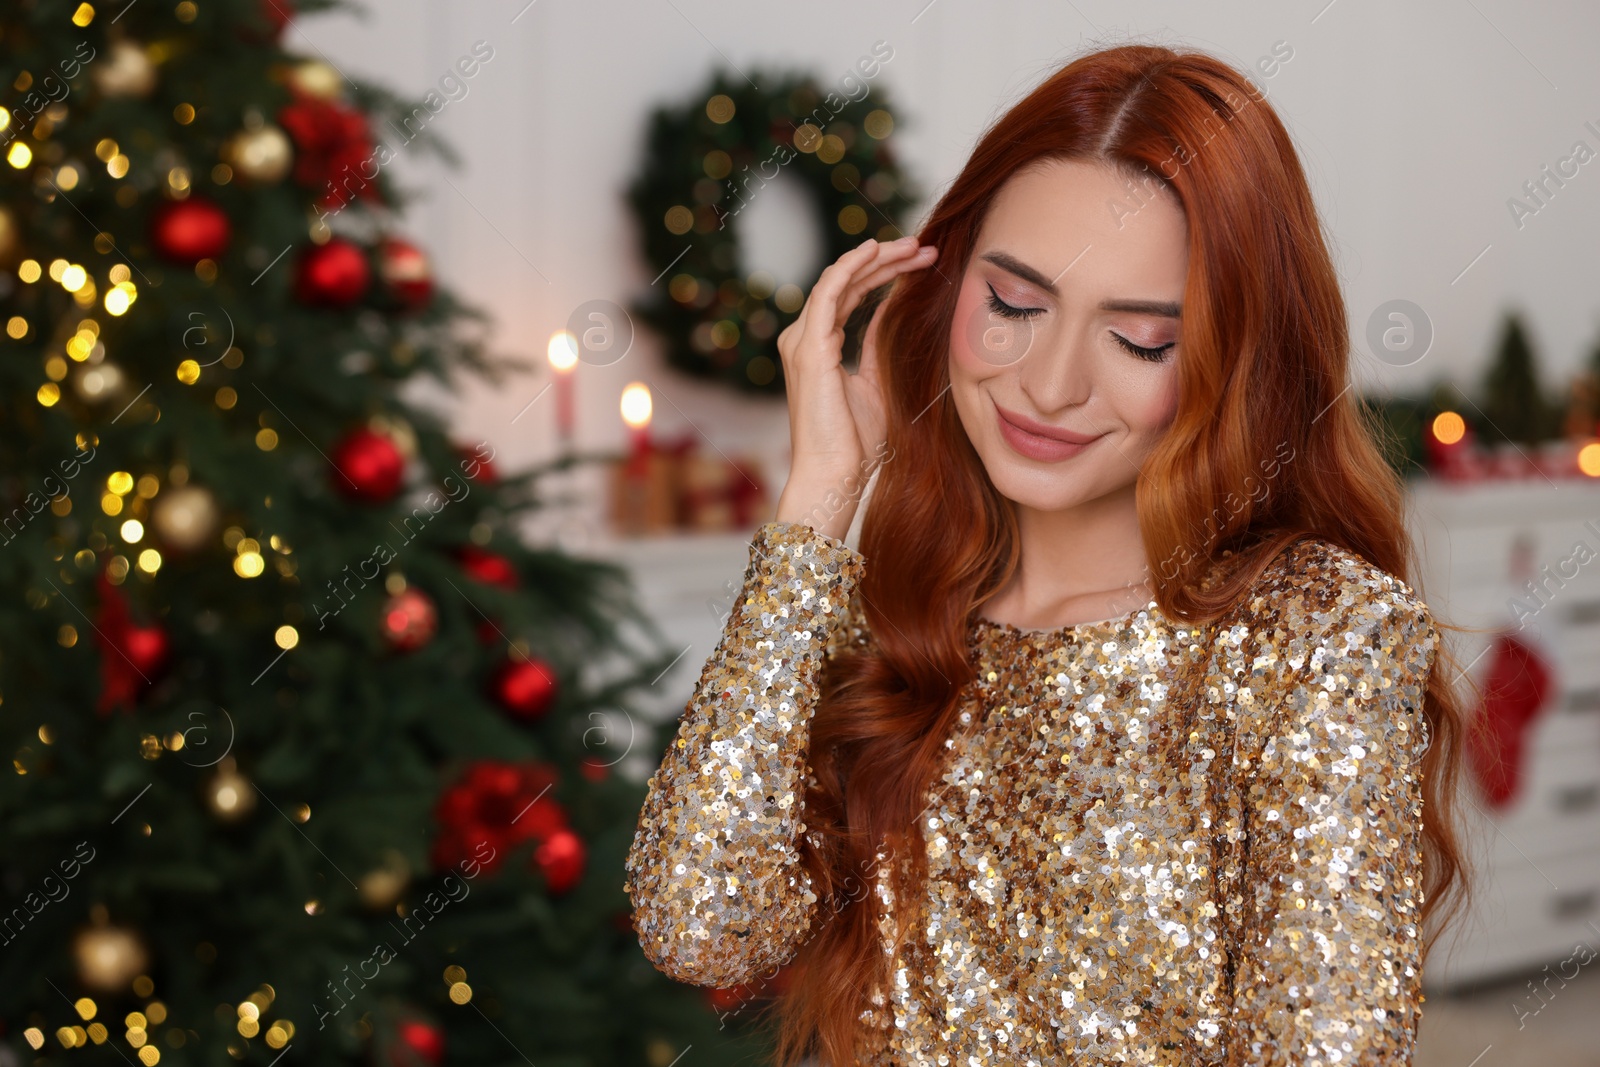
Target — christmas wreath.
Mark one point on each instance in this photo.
(708, 159)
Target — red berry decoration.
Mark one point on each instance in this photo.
(498, 804)
(187, 231)
(526, 688)
(418, 1044)
(409, 620)
(406, 273)
(490, 568)
(131, 656)
(333, 275)
(561, 858)
(367, 466)
(476, 466)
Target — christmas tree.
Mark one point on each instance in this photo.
(312, 753)
(1514, 407)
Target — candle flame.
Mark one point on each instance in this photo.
(636, 405)
(563, 351)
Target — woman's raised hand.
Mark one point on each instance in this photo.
(837, 419)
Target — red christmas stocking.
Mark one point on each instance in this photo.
(1517, 686)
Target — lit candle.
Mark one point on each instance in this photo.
(563, 355)
(636, 409)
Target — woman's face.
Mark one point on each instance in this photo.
(1067, 323)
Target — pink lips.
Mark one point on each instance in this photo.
(1036, 440)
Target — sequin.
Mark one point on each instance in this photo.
(1089, 900)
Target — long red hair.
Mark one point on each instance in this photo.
(1265, 355)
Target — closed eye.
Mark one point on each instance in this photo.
(1154, 355)
(1009, 311)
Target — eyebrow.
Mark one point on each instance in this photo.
(1163, 308)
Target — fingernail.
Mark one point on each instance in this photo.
(868, 241)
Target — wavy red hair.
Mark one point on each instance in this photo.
(1265, 362)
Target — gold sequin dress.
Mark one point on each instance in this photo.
(1086, 903)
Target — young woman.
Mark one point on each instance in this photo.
(1121, 738)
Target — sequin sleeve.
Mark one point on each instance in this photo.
(1328, 959)
(714, 871)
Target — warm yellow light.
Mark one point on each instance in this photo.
(188, 372)
(118, 299)
(83, 16)
(149, 561)
(120, 482)
(48, 394)
(28, 270)
(73, 277)
(1589, 459)
(563, 350)
(1449, 427)
(20, 155)
(16, 327)
(248, 565)
(636, 405)
(287, 637)
(132, 531)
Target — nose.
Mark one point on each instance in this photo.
(1056, 374)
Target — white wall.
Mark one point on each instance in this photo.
(1416, 122)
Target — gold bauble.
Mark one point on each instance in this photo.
(230, 795)
(262, 154)
(382, 887)
(185, 518)
(108, 957)
(127, 71)
(316, 78)
(96, 382)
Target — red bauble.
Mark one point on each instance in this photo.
(488, 567)
(409, 620)
(418, 1043)
(334, 274)
(592, 769)
(405, 272)
(561, 857)
(526, 688)
(367, 466)
(187, 231)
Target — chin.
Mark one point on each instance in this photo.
(1053, 487)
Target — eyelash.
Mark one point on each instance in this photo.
(1008, 311)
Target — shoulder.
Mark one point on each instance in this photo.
(1315, 587)
(1325, 625)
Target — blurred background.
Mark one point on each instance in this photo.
(461, 316)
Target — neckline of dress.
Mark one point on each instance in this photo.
(982, 624)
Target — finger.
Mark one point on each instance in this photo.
(881, 274)
(868, 367)
(815, 324)
(853, 278)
